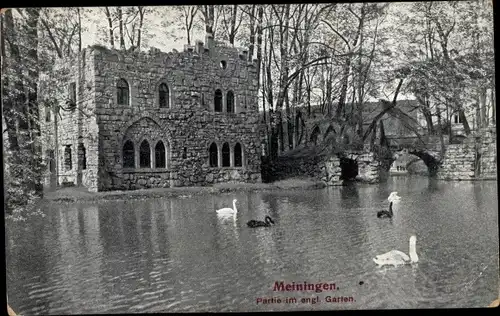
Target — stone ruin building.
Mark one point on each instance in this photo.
(124, 120)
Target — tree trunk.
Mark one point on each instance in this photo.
(273, 143)
(289, 124)
(309, 101)
(465, 123)
(260, 74)
(373, 137)
(360, 78)
(120, 27)
(259, 43)
(79, 30)
(252, 33)
(139, 31)
(8, 105)
(296, 136)
(493, 107)
(383, 139)
(211, 12)
(440, 131)
(14, 97)
(478, 114)
(208, 18)
(110, 27)
(482, 104)
(345, 75)
(232, 33)
(424, 103)
(284, 73)
(32, 35)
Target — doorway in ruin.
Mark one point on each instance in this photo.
(314, 135)
(349, 169)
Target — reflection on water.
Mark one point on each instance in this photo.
(170, 255)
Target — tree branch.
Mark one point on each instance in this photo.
(381, 114)
(336, 32)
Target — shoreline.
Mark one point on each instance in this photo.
(80, 194)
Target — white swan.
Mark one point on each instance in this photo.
(396, 257)
(394, 197)
(227, 210)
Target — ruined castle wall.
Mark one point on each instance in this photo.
(488, 151)
(64, 125)
(187, 127)
(474, 159)
(458, 162)
(368, 166)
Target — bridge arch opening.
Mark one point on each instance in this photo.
(417, 162)
(349, 169)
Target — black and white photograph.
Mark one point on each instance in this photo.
(249, 157)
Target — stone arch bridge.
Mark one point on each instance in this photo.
(427, 148)
(472, 158)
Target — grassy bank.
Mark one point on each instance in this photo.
(81, 194)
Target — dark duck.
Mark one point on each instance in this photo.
(386, 214)
(267, 223)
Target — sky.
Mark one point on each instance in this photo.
(153, 21)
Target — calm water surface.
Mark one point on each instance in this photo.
(171, 255)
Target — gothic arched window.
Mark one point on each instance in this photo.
(238, 157)
(145, 155)
(128, 155)
(160, 157)
(218, 101)
(164, 96)
(213, 155)
(226, 159)
(122, 92)
(230, 102)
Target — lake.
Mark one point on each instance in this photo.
(176, 255)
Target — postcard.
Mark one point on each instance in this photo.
(250, 157)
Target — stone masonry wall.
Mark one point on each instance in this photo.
(368, 166)
(78, 125)
(188, 126)
(324, 168)
(488, 151)
(474, 159)
(458, 162)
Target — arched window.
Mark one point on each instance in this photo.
(128, 155)
(238, 161)
(218, 101)
(122, 92)
(213, 155)
(145, 155)
(230, 102)
(226, 159)
(67, 157)
(82, 157)
(160, 158)
(164, 96)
